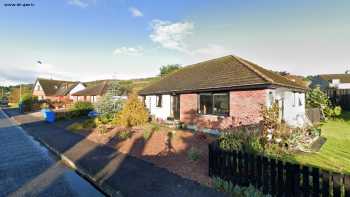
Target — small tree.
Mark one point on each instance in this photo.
(133, 113)
(318, 99)
(107, 106)
(167, 69)
(270, 117)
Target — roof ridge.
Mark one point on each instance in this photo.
(241, 60)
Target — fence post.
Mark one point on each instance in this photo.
(210, 168)
(306, 184)
(259, 171)
(315, 182)
(336, 184)
(280, 178)
(325, 183)
(347, 185)
(273, 182)
(234, 167)
(289, 179)
(266, 176)
(296, 179)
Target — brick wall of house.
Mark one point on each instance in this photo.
(245, 106)
(244, 109)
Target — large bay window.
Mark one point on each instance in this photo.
(214, 103)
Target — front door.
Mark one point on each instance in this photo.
(176, 107)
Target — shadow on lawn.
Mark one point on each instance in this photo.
(112, 169)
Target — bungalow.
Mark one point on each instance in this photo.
(224, 92)
(94, 93)
(336, 86)
(55, 90)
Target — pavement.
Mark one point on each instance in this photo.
(114, 172)
(28, 169)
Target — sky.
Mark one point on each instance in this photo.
(97, 39)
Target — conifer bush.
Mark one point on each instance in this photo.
(133, 113)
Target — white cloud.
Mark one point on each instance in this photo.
(209, 52)
(78, 3)
(135, 12)
(171, 35)
(128, 51)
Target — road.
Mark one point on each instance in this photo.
(29, 169)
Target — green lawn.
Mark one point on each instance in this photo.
(335, 153)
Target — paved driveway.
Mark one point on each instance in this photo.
(113, 170)
(28, 169)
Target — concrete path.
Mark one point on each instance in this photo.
(114, 171)
(27, 169)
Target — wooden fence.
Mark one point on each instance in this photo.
(314, 115)
(276, 177)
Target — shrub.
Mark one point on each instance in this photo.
(193, 154)
(336, 112)
(123, 135)
(88, 124)
(147, 134)
(155, 127)
(75, 127)
(27, 101)
(318, 99)
(270, 116)
(102, 129)
(44, 106)
(227, 187)
(133, 113)
(80, 108)
(231, 141)
(242, 141)
(107, 106)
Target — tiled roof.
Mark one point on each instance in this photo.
(344, 78)
(56, 87)
(97, 90)
(225, 72)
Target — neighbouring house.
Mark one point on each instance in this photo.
(56, 90)
(222, 93)
(95, 92)
(336, 86)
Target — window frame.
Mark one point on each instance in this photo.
(213, 103)
(159, 100)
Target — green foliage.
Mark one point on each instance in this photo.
(133, 113)
(170, 68)
(75, 127)
(123, 135)
(336, 112)
(236, 191)
(28, 100)
(155, 127)
(270, 116)
(239, 140)
(315, 98)
(44, 106)
(89, 123)
(102, 129)
(80, 108)
(231, 141)
(193, 154)
(107, 106)
(147, 134)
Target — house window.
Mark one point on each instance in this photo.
(214, 103)
(159, 100)
(38, 88)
